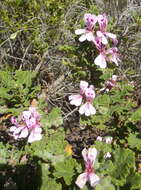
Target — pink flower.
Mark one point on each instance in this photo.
(77, 99)
(100, 60)
(87, 33)
(107, 140)
(104, 35)
(98, 43)
(90, 20)
(89, 173)
(88, 108)
(35, 134)
(109, 84)
(87, 95)
(110, 55)
(102, 20)
(27, 125)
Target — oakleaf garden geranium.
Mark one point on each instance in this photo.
(87, 33)
(107, 140)
(77, 99)
(89, 175)
(99, 36)
(84, 99)
(111, 83)
(27, 125)
(101, 33)
(109, 55)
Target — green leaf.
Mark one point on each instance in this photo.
(107, 74)
(52, 184)
(105, 184)
(56, 143)
(6, 79)
(55, 159)
(136, 115)
(53, 147)
(54, 118)
(119, 170)
(134, 141)
(4, 155)
(48, 182)
(24, 77)
(4, 93)
(66, 170)
(16, 90)
(134, 181)
(102, 103)
(103, 146)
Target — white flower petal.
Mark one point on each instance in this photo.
(104, 40)
(83, 86)
(76, 99)
(114, 77)
(82, 38)
(26, 114)
(81, 180)
(31, 122)
(18, 130)
(99, 34)
(34, 136)
(108, 139)
(89, 36)
(99, 138)
(92, 109)
(100, 60)
(102, 36)
(24, 133)
(80, 31)
(37, 129)
(107, 155)
(85, 154)
(94, 179)
(82, 109)
(13, 128)
(87, 110)
(110, 35)
(92, 153)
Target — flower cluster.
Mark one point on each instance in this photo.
(27, 125)
(100, 38)
(107, 140)
(86, 94)
(89, 173)
(109, 84)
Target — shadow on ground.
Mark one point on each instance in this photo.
(21, 177)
